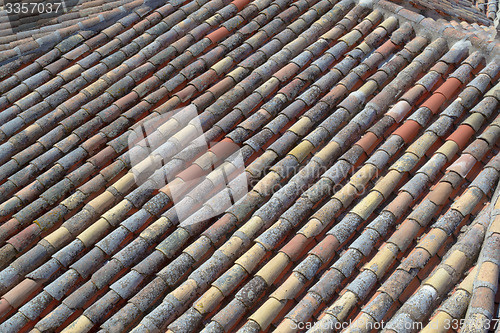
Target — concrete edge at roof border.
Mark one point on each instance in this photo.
(490, 48)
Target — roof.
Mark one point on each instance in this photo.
(251, 166)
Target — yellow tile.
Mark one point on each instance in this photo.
(216, 176)
(209, 301)
(420, 146)
(440, 280)
(187, 133)
(346, 195)
(360, 324)
(177, 184)
(267, 312)
(433, 241)
(488, 272)
(448, 149)
(169, 128)
(495, 225)
(374, 16)
(274, 268)
(206, 161)
(368, 88)
(116, 214)
(257, 167)
(125, 183)
(389, 23)
(331, 150)
(301, 127)
(457, 261)
(96, 87)
(387, 184)
(251, 258)
(405, 163)
(185, 291)
(59, 237)
(232, 246)
(382, 260)
(199, 248)
(237, 72)
(286, 326)
(146, 165)
(81, 324)
(159, 226)
(475, 121)
(468, 282)
(343, 306)
(94, 232)
(302, 150)
(71, 72)
(267, 184)
(438, 323)
(223, 65)
(368, 204)
(102, 202)
(364, 47)
(468, 201)
(312, 228)
(289, 289)
(254, 224)
(363, 176)
(268, 87)
(351, 37)
(497, 204)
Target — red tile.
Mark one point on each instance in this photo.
(25, 237)
(224, 148)
(287, 72)
(400, 204)
(5, 307)
(218, 35)
(295, 246)
(20, 292)
(387, 48)
(368, 142)
(462, 135)
(449, 88)
(240, 4)
(440, 194)
(408, 130)
(415, 95)
(435, 102)
(326, 248)
(186, 93)
(194, 171)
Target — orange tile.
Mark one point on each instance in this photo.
(408, 130)
(295, 246)
(449, 87)
(326, 248)
(462, 135)
(367, 142)
(218, 35)
(435, 102)
(240, 4)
